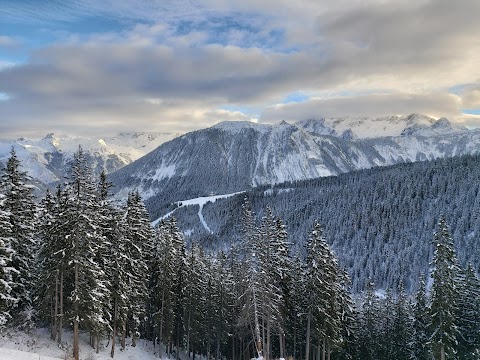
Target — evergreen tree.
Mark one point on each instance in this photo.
(369, 336)
(469, 316)
(20, 205)
(323, 288)
(402, 326)
(138, 237)
(386, 327)
(90, 291)
(421, 320)
(253, 280)
(7, 301)
(445, 296)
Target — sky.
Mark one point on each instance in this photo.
(94, 67)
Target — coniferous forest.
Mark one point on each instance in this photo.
(77, 260)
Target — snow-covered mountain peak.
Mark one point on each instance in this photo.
(317, 126)
(235, 127)
(418, 119)
(432, 128)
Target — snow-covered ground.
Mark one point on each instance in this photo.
(201, 202)
(17, 345)
(10, 354)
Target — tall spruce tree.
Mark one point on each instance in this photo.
(469, 316)
(369, 337)
(421, 320)
(7, 301)
(21, 207)
(445, 295)
(251, 314)
(402, 326)
(139, 237)
(90, 291)
(322, 287)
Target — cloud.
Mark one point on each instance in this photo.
(8, 41)
(435, 104)
(471, 96)
(175, 63)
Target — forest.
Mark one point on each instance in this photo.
(78, 260)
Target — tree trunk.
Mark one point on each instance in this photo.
(295, 341)
(442, 352)
(329, 351)
(60, 320)
(307, 345)
(124, 333)
(280, 344)
(55, 316)
(161, 326)
(114, 332)
(98, 344)
(75, 320)
(268, 348)
(53, 323)
(258, 340)
(324, 352)
(188, 334)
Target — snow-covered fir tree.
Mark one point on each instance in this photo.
(469, 316)
(7, 301)
(90, 291)
(20, 205)
(421, 320)
(369, 336)
(445, 295)
(322, 289)
(138, 236)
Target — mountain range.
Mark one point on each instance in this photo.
(366, 179)
(47, 160)
(236, 156)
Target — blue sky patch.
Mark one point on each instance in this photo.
(471, 111)
(296, 97)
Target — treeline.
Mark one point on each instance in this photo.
(80, 261)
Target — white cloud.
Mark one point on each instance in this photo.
(435, 105)
(404, 55)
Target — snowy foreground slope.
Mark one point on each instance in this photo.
(16, 345)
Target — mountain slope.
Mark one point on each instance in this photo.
(380, 222)
(236, 156)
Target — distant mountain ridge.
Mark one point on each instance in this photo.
(47, 159)
(365, 127)
(236, 156)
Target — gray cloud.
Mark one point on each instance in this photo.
(152, 77)
(436, 105)
(471, 96)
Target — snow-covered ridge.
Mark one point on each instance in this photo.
(237, 126)
(46, 159)
(365, 127)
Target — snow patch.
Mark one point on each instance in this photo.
(164, 172)
(201, 202)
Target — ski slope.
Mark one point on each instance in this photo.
(200, 202)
